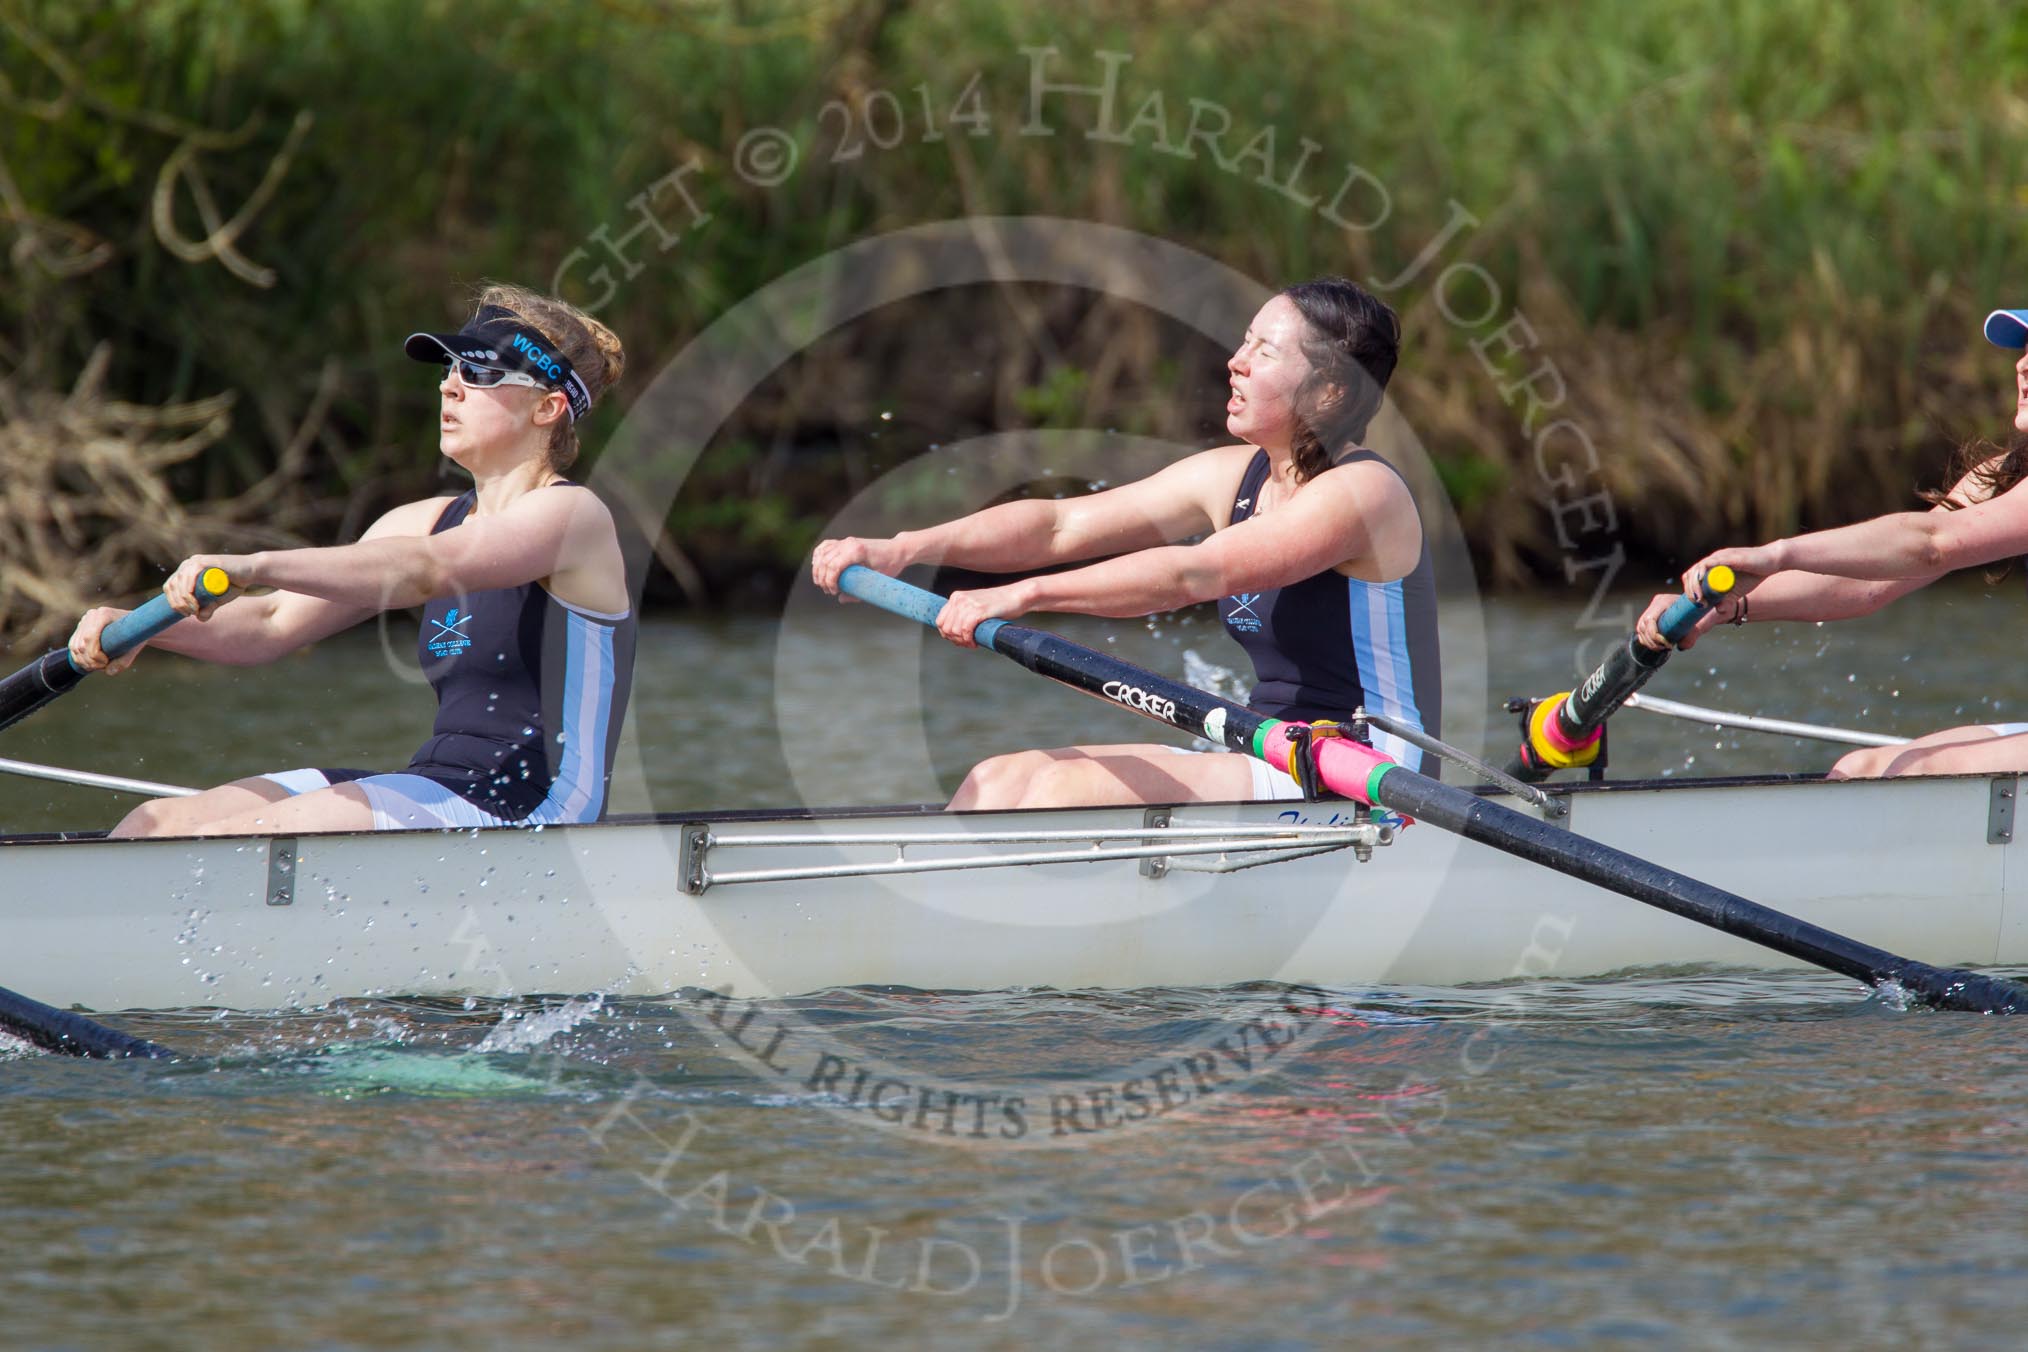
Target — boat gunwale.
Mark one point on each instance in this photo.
(920, 811)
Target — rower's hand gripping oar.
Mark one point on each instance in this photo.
(1184, 707)
(1565, 731)
(1358, 772)
(21, 694)
(54, 672)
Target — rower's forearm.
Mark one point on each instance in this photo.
(1900, 547)
(1141, 583)
(1817, 596)
(238, 633)
(1003, 539)
(383, 574)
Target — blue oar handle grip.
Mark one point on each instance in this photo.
(1682, 616)
(899, 598)
(151, 617)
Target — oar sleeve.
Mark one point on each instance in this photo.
(1563, 732)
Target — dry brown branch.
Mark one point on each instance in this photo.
(85, 508)
(221, 239)
(88, 508)
(34, 231)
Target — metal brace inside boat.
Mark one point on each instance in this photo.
(1160, 846)
(1552, 807)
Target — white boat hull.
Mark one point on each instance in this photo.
(1910, 866)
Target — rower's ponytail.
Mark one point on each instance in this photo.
(1990, 469)
(1352, 340)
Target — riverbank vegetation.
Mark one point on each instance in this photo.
(1746, 244)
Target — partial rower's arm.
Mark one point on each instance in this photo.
(1353, 513)
(1816, 596)
(251, 630)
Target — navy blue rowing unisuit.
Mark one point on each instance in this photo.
(1328, 644)
(530, 694)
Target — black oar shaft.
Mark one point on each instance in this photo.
(1465, 814)
(59, 1030)
(1173, 703)
(1518, 834)
(1493, 824)
(1623, 672)
(53, 673)
(35, 685)
(1194, 711)
(1627, 668)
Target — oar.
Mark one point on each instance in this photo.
(59, 1030)
(1780, 727)
(1356, 771)
(145, 788)
(22, 694)
(54, 673)
(1563, 732)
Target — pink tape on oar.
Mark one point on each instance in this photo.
(1549, 747)
(1553, 733)
(1346, 767)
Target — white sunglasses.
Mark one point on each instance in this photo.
(486, 377)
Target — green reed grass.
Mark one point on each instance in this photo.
(1755, 237)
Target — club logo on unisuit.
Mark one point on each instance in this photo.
(1241, 616)
(1136, 698)
(541, 360)
(448, 639)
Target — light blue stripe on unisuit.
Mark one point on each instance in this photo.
(567, 792)
(578, 792)
(594, 714)
(1380, 644)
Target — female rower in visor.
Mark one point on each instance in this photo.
(1312, 549)
(527, 632)
(1855, 570)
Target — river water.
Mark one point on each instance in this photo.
(1692, 1159)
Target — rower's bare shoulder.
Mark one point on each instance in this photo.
(1370, 480)
(580, 511)
(1213, 477)
(1978, 484)
(1222, 459)
(1370, 496)
(411, 518)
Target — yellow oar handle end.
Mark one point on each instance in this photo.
(1550, 747)
(214, 581)
(1718, 580)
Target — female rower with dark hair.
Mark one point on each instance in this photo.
(1313, 551)
(527, 634)
(1855, 570)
